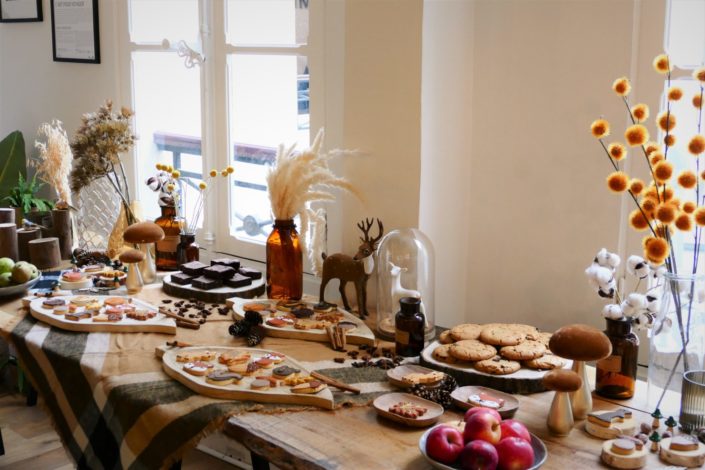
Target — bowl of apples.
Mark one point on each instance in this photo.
(483, 442)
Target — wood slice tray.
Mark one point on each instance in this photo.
(360, 335)
(242, 390)
(159, 324)
(218, 295)
(523, 381)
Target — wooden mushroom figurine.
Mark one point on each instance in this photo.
(670, 424)
(144, 234)
(656, 423)
(131, 258)
(580, 343)
(655, 438)
(560, 417)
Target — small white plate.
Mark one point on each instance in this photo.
(383, 402)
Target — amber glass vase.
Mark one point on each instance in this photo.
(187, 250)
(616, 374)
(285, 268)
(166, 248)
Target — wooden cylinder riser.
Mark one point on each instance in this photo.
(23, 239)
(44, 253)
(7, 215)
(61, 221)
(8, 241)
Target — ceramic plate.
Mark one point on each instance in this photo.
(540, 452)
(383, 402)
(18, 289)
(395, 375)
(460, 399)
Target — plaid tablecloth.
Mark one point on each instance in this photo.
(113, 406)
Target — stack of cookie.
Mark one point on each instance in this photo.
(497, 348)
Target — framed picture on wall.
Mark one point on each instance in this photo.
(74, 31)
(20, 11)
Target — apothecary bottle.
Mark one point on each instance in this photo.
(166, 249)
(616, 374)
(187, 250)
(285, 268)
(409, 331)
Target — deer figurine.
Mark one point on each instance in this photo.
(399, 291)
(356, 269)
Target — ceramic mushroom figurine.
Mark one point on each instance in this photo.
(560, 417)
(131, 258)
(580, 343)
(145, 233)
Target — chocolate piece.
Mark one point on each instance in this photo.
(250, 272)
(194, 268)
(181, 279)
(238, 280)
(219, 272)
(302, 312)
(205, 283)
(230, 262)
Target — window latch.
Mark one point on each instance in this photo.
(191, 57)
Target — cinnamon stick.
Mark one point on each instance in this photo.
(335, 383)
(169, 313)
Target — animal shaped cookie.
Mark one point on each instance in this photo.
(198, 368)
(610, 424)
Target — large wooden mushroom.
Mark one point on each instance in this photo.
(144, 234)
(560, 417)
(131, 258)
(580, 343)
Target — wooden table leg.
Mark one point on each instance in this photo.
(31, 395)
(176, 465)
(258, 462)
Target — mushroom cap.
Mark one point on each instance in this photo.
(657, 414)
(580, 343)
(143, 232)
(671, 421)
(655, 437)
(562, 380)
(131, 256)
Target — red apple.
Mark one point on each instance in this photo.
(481, 409)
(514, 454)
(444, 444)
(483, 426)
(479, 455)
(513, 428)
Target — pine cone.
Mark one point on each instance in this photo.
(255, 335)
(253, 317)
(239, 329)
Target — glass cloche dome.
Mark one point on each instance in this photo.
(405, 268)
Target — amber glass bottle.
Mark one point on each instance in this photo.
(285, 268)
(166, 248)
(616, 374)
(409, 331)
(187, 250)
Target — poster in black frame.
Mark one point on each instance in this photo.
(78, 20)
(36, 14)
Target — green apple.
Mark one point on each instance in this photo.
(6, 265)
(5, 279)
(22, 272)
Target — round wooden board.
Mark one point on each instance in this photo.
(159, 324)
(241, 391)
(218, 295)
(523, 381)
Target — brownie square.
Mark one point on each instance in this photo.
(238, 280)
(206, 283)
(230, 262)
(181, 279)
(250, 272)
(194, 268)
(219, 271)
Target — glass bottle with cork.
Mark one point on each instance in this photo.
(616, 374)
(166, 259)
(409, 327)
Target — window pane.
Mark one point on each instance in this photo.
(282, 22)
(167, 100)
(685, 39)
(268, 106)
(151, 21)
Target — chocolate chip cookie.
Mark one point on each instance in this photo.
(530, 332)
(472, 350)
(442, 354)
(523, 351)
(497, 366)
(544, 338)
(545, 362)
(466, 331)
(445, 338)
(501, 335)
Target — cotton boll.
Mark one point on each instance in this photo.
(657, 272)
(642, 321)
(653, 303)
(638, 301)
(606, 293)
(612, 311)
(603, 276)
(591, 274)
(613, 261)
(153, 183)
(637, 266)
(628, 309)
(606, 259)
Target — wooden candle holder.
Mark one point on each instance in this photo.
(8, 240)
(24, 236)
(44, 253)
(7, 215)
(61, 221)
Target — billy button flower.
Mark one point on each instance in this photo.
(175, 174)
(662, 64)
(655, 157)
(669, 140)
(663, 171)
(230, 170)
(687, 179)
(675, 93)
(689, 207)
(170, 187)
(697, 101)
(636, 186)
(667, 193)
(666, 213)
(655, 249)
(666, 121)
(617, 151)
(202, 186)
(600, 128)
(640, 112)
(651, 147)
(699, 216)
(224, 173)
(699, 74)
(213, 173)
(617, 181)
(621, 86)
(684, 222)
(696, 146)
(638, 221)
(636, 135)
(649, 205)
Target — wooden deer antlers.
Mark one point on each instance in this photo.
(365, 226)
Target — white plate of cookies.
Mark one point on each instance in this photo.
(408, 409)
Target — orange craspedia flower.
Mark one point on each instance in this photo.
(656, 157)
(666, 121)
(618, 181)
(699, 215)
(651, 147)
(655, 250)
(696, 146)
(636, 135)
(666, 213)
(697, 101)
(600, 128)
(652, 192)
(662, 64)
(669, 140)
(617, 151)
(702, 174)
(684, 222)
(638, 221)
(687, 179)
(636, 186)
(621, 86)
(675, 93)
(640, 112)
(649, 204)
(667, 193)
(663, 171)
(699, 74)
(689, 207)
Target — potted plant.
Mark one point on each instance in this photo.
(23, 198)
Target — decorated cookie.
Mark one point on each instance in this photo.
(52, 302)
(76, 316)
(260, 384)
(497, 366)
(115, 301)
(141, 315)
(471, 350)
(682, 450)
(523, 351)
(234, 358)
(278, 322)
(198, 368)
(415, 378)
(283, 372)
(277, 358)
(624, 453)
(257, 306)
(465, 331)
(545, 362)
(82, 300)
(303, 312)
(485, 400)
(501, 335)
(264, 363)
(223, 377)
(60, 310)
(610, 424)
(314, 386)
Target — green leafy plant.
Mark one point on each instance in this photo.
(24, 195)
